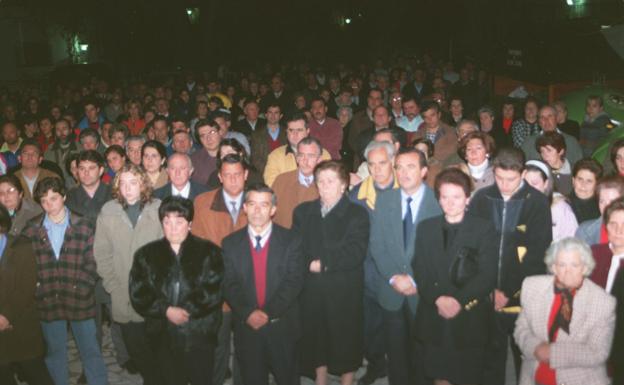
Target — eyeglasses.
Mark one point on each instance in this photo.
(397, 99)
(209, 133)
(9, 191)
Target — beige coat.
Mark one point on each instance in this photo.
(114, 247)
(43, 173)
(578, 358)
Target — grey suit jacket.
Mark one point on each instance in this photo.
(579, 358)
(386, 243)
(589, 231)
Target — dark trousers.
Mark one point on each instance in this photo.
(222, 351)
(184, 366)
(405, 361)
(121, 354)
(34, 372)
(258, 354)
(141, 352)
(496, 352)
(374, 339)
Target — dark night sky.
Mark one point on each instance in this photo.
(139, 35)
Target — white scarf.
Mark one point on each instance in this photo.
(478, 171)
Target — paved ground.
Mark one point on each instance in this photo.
(118, 376)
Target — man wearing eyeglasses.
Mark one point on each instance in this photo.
(207, 133)
(396, 108)
(282, 159)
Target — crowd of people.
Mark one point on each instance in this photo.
(403, 218)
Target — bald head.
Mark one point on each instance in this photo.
(179, 169)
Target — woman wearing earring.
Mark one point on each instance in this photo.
(476, 149)
(335, 239)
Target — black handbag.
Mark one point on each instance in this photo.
(464, 266)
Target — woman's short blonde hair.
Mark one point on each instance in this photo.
(146, 184)
(570, 244)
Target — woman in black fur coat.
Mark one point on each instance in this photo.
(175, 284)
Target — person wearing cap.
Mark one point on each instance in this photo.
(564, 223)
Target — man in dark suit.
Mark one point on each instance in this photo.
(251, 122)
(277, 95)
(393, 233)
(264, 272)
(179, 169)
(417, 89)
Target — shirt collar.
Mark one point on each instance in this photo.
(47, 222)
(302, 179)
(228, 198)
(185, 192)
(415, 196)
(264, 235)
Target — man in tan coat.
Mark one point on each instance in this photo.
(297, 186)
(218, 213)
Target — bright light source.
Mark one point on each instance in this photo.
(84, 47)
(605, 26)
(348, 20)
(193, 15)
(570, 2)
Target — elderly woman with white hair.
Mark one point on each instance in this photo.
(566, 324)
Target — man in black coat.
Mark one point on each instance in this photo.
(90, 195)
(251, 122)
(277, 95)
(264, 274)
(523, 223)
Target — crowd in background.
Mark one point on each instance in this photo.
(400, 216)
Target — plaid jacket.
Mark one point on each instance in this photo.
(65, 287)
